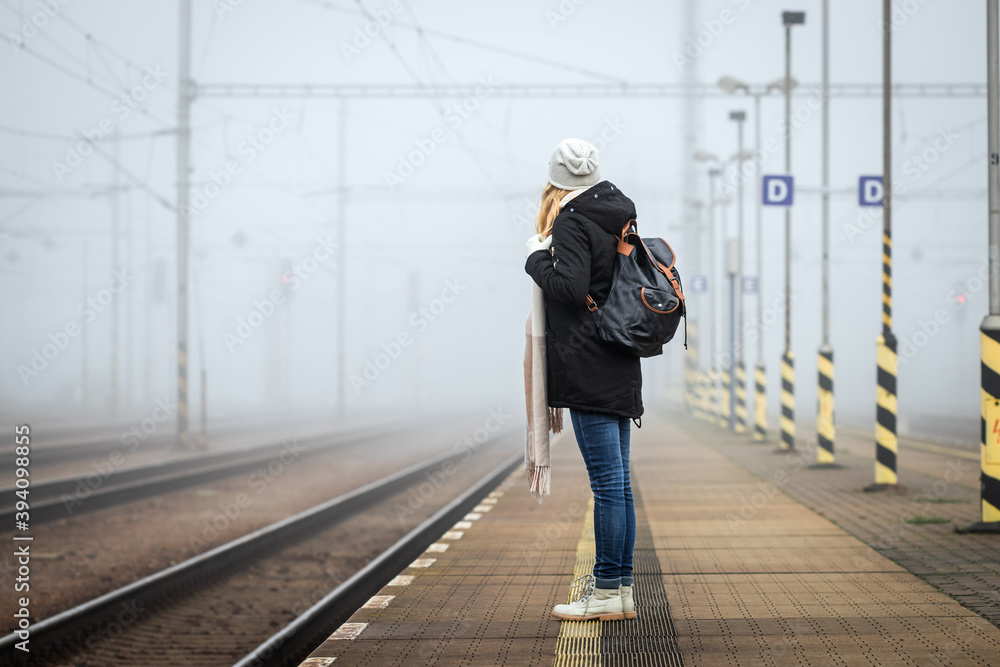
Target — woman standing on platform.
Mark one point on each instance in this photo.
(571, 257)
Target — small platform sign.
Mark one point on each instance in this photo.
(778, 190)
(698, 285)
(870, 191)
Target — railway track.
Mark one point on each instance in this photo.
(70, 496)
(291, 644)
(252, 571)
(99, 441)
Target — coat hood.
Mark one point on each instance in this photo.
(605, 205)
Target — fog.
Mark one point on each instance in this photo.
(428, 195)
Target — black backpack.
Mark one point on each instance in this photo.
(646, 301)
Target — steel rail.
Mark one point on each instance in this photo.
(56, 633)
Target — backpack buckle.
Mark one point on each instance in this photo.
(591, 304)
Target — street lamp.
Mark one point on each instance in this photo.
(733, 85)
(825, 429)
(733, 270)
(886, 443)
(788, 19)
(738, 380)
(711, 328)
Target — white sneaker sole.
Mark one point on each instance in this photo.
(615, 616)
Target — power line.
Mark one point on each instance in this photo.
(567, 90)
(478, 44)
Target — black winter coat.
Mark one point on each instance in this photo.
(584, 372)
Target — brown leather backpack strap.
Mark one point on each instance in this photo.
(628, 225)
(591, 304)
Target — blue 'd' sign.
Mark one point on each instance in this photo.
(870, 191)
(778, 190)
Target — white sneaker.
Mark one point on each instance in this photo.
(593, 603)
(628, 606)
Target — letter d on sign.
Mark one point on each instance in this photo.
(870, 191)
(778, 190)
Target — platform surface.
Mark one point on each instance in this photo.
(729, 571)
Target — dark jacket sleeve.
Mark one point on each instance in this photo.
(564, 275)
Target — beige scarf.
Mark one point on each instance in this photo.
(541, 418)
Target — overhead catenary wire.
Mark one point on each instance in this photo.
(481, 45)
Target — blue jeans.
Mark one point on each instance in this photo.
(604, 443)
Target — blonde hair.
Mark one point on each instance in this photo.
(549, 209)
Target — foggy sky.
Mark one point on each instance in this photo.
(456, 226)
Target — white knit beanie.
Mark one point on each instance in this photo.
(573, 165)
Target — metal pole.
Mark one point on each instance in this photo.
(760, 373)
(788, 170)
(886, 444)
(732, 346)
(203, 435)
(83, 328)
(788, 359)
(825, 429)
(990, 328)
(130, 309)
(115, 259)
(726, 384)
(739, 377)
(183, 173)
(712, 320)
(148, 334)
(341, 305)
(826, 174)
(202, 441)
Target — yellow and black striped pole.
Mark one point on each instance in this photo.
(788, 400)
(990, 427)
(712, 392)
(886, 442)
(989, 336)
(760, 404)
(725, 398)
(825, 429)
(886, 445)
(707, 397)
(691, 369)
(741, 398)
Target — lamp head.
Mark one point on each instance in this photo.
(731, 84)
(793, 18)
